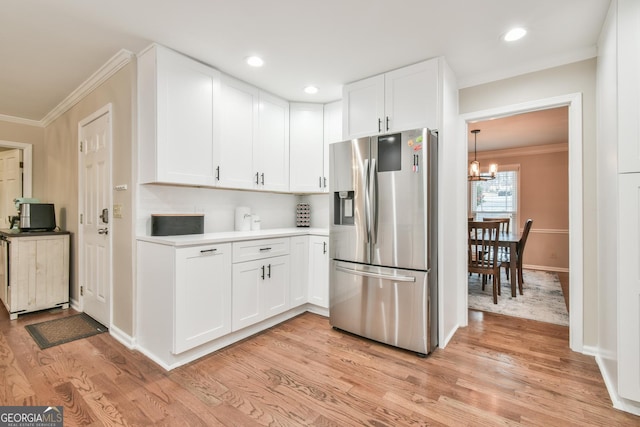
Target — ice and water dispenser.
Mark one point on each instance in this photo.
(343, 208)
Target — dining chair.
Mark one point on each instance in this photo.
(506, 263)
(504, 223)
(483, 241)
(503, 252)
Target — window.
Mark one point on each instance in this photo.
(497, 198)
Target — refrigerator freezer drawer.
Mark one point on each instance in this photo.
(383, 304)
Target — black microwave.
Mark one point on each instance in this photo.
(37, 217)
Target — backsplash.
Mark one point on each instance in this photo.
(275, 210)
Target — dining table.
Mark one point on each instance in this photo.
(510, 240)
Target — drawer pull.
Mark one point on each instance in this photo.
(204, 251)
(265, 249)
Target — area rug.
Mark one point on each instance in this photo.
(542, 299)
(59, 331)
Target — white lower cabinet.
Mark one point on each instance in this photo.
(184, 290)
(319, 271)
(260, 288)
(202, 295)
(193, 300)
(299, 270)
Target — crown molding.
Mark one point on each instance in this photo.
(112, 66)
(523, 151)
(21, 121)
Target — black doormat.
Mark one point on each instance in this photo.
(59, 331)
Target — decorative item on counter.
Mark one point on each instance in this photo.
(176, 224)
(243, 219)
(255, 223)
(303, 215)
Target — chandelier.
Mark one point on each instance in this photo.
(474, 168)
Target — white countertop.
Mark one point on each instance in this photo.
(232, 236)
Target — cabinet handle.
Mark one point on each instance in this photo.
(263, 272)
(205, 251)
(320, 181)
(269, 273)
(324, 247)
(218, 173)
(262, 177)
(379, 125)
(264, 249)
(325, 182)
(257, 175)
(387, 122)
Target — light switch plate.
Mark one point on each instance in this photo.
(117, 211)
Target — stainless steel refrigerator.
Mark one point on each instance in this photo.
(383, 238)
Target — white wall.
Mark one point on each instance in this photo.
(607, 170)
(275, 210)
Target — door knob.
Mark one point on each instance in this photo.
(103, 231)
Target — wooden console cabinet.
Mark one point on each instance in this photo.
(34, 272)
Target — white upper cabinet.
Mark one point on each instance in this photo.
(363, 107)
(178, 100)
(239, 123)
(332, 132)
(628, 72)
(254, 138)
(402, 99)
(333, 122)
(307, 148)
(271, 149)
(313, 128)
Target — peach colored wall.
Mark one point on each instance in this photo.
(544, 197)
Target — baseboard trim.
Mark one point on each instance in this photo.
(123, 338)
(546, 268)
(618, 402)
(75, 304)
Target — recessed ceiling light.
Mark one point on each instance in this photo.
(515, 34)
(255, 61)
(311, 89)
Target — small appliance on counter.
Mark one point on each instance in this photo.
(243, 219)
(35, 216)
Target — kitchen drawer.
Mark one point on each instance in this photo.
(259, 249)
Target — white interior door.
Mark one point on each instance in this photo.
(95, 215)
(10, 184)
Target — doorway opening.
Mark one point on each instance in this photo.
(573, 103)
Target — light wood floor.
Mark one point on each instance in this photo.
(497, 371)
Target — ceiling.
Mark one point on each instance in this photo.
(542, 127)
(50, 48)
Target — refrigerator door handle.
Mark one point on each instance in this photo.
(376, 275)
(367, 201)
(374, 201)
